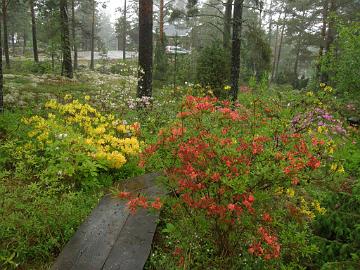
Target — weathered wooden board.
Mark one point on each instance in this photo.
(133, 246)
(111, 238)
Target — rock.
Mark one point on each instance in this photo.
(9, 76)
(354, 120)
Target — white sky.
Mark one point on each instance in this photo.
(111, 6)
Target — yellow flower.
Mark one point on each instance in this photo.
(279, 190)
(333, 167)
(328, 89)
(51, 104)
(290, 192)
(341, 169)
(122, 128)
(100, 154)
(331, 150)
(101, 142)
(227, 87)
(100, 130)
(32, 133)
(308, 213)
(116, 159)
(304, 209)
(310, 93)
(322, 85)
(43, 136)
(89, 141)
(318, 208)
(67, 97)
(87, 98)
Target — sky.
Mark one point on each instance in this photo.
(112, 5)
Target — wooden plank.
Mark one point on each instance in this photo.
(133, 246)
(140, 183)
(91, 244)
(110, 238)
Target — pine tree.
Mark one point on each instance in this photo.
(1, 77)
(34, 31)
(5, 4)
(65, 40)
(236, 45)
(145, 48)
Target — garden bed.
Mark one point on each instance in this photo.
(312, 232)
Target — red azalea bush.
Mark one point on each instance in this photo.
(240, 175)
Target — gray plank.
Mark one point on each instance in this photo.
(91, 244)
(110, 238)
(139, 183)
(133, 246)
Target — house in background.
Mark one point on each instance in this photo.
(177, 35)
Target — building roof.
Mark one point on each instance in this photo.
(172, 30)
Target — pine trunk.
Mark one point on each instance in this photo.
(1, 77)
(92, 36)
(24, 42)
(34, 35)
(297, 56)
(13, 43)
(124, 37)
(275, 51)
(330, 35)
(323, 39)
(161, 27)
(236, 46)
(73, 27)
(280, 45)
(65, 40)
(227, 24)
(270, 22)
(145, 48)
(6, 35)
(299, 45)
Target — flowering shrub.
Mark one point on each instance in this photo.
(242, 171)
(77, 142)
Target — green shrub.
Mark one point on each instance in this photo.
(29, 66)
(126, 68)
(342, 63)
(213, 68)
(35, 223)
(74, 144)
(242, 185)
(160, 63)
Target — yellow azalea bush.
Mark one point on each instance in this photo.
(78, 142)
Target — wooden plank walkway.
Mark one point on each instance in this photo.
(111, 238)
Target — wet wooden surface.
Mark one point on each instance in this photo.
(111, 238)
